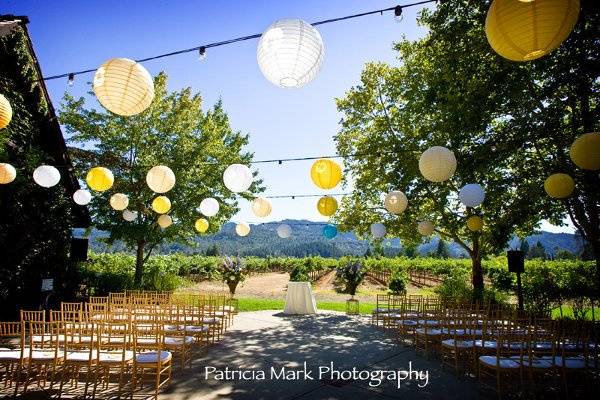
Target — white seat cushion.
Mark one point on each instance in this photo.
(178, 340)
(488, 344)
(538, 362)
(82, 356)
(13, 355)
(115, 357)
(570, 362)
(408, 322)
(428, 322)
(149, 357)
(196, 328)
(429, 332)
(40, 355)
(463, 344)
(505, 363)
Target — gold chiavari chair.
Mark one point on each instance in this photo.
(27, 315)
(539, 362)
(151, 362)
(44, 356)
(208, 310)
(97, 311)
(14, 355)
(115, 359)
(382, 307)
(573, 360)
(177, 338)
(428, 333)
(80, 356)
(71, 306)
(457, 350)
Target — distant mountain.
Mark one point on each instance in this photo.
(307, 240)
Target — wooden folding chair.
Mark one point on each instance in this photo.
(151, 362)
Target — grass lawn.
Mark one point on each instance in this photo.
(567, 311)
(251, 304)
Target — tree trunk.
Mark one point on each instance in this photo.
(477, 271)
(139, 264)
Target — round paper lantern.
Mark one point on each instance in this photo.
(559, 186)
(330, 231)
(437, 164)
(123, 86)
(585, 151)
(327, 206)
(8, 173)
(471, 195)
(261, 207)
(378, 230)
(160, 179)
(326, 173)
(523, 30)
(425, 228)
(290, 53)
(5, 112)
(237, 178)
(209, 207)
(242, 229)
(201, 225)
(395, 202)
(82, 197)
(129, 216)
(100, 179)
(119, 201)
(284, 231)
(165, 221)
(161, 204)
(474, 223)
(46, 176)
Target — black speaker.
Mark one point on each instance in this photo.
(79, 249)
(516, 261)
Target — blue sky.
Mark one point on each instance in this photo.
(74, 35)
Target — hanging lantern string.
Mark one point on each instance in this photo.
(71, 75)
(293, 196)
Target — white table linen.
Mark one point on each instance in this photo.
(300, 299)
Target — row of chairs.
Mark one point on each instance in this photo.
(495, 343)
(110, 346)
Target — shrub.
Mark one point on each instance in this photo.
(299, 274)
(398, 282)
(455, 289)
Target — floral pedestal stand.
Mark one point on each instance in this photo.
(352, 306)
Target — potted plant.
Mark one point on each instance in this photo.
(232, 272)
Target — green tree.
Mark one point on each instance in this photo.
(509, 125)
(564, 254)
(442, 250)
(524, 247)
(537, 251)
(174, 131)
(213, 251)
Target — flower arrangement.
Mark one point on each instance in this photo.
(232, 272)
(351, 275)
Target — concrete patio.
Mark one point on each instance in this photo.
(259, 341)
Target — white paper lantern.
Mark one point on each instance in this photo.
(437, 164)
(395, 202)
(129, 215)
(46, 176)
(164, 221)
(160, 179)
(284, 231)
(119, 201)
(471, 195)
(425, 228)
(237, 178)
(378, 230)
(242, 229)
(290, 53)
(82, 197)
(123, 86)
(8, 173)
(261, 207)
(209, 207)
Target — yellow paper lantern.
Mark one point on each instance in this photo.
(585, 151)
(123, 86)
(8, 173)
(201, 225)
(327, 206)
(326, 173)
(437, 164)
(99, 179)
(523, 30)
(160, 179)
(261, 207)
(395, 202)
(161, 204)
(5, 112)
(119, 201)
(425, 228)
(164, 221)
(242, 229)
(559, 186)
(474, 223)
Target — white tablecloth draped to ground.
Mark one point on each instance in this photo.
(299, 299)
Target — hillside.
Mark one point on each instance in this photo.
(307, 240)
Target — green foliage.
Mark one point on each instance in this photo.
(564, 255)
(398, 282)
(350, 275)
(455, 288)
(299, 274)
(174, 131)
(537, 251)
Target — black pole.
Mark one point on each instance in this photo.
(519, 291)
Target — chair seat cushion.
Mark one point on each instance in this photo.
(82, 356)
(12, 355)
(463, 344)
(570, 362)
(115, 357)
(428, 322)
(486, 344)
(505, 363)
(149, 357)
(429, 332)
(538, 362)
(42, 355)
(178, 340)
(196, 328)
(408, 322)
